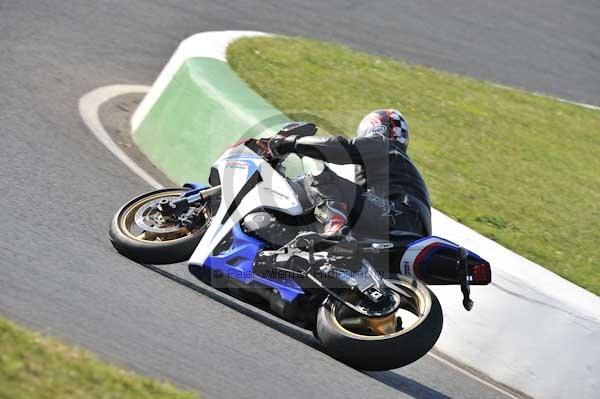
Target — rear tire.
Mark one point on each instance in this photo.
(380, 352)
(146, 251)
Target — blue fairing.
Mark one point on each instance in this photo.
(195, 188)
(236, 263)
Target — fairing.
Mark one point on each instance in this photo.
(248, 182)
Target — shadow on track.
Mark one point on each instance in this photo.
(396, 381)
(407, 385)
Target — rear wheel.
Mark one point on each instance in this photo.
(141, 233)
(382, 343)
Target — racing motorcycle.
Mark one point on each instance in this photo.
(252, 232)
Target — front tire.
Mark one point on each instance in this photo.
(374, 352)
(142, 246)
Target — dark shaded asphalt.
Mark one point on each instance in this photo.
(60, 187)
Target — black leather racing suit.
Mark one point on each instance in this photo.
(389, 194)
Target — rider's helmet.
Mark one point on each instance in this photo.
(387, 123)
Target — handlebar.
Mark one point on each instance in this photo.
(261, 147)
(298, 129)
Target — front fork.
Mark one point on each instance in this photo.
(188, 209)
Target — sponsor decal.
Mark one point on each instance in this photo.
(236, 165)
(275, 193)
(379, 129)
(406, 268)
(388, 207)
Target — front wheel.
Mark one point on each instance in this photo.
(142, 234)
(382, 343)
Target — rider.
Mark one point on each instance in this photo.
(389, 195)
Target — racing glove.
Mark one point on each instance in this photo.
(282, 145)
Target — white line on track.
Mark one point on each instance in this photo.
(89, 106)
(473, 376)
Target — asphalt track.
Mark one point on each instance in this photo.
(60, 187)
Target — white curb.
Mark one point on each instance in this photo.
(206, 44)
(530, 329)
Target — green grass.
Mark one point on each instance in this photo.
(520, 168)
(36, 367)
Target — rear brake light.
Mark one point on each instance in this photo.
(482, 273)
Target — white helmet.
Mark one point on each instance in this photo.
(385, 122)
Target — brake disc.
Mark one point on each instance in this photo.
(149, 218)
(394, 301)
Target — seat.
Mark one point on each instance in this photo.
(402, 234)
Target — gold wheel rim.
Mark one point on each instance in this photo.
(127, 220)
(381, 325)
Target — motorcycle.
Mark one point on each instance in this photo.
(252, 232)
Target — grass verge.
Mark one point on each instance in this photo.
(32, 366)
(520, 168)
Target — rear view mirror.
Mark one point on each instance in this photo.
(300, 129)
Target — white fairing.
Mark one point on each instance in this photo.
(236, 167)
